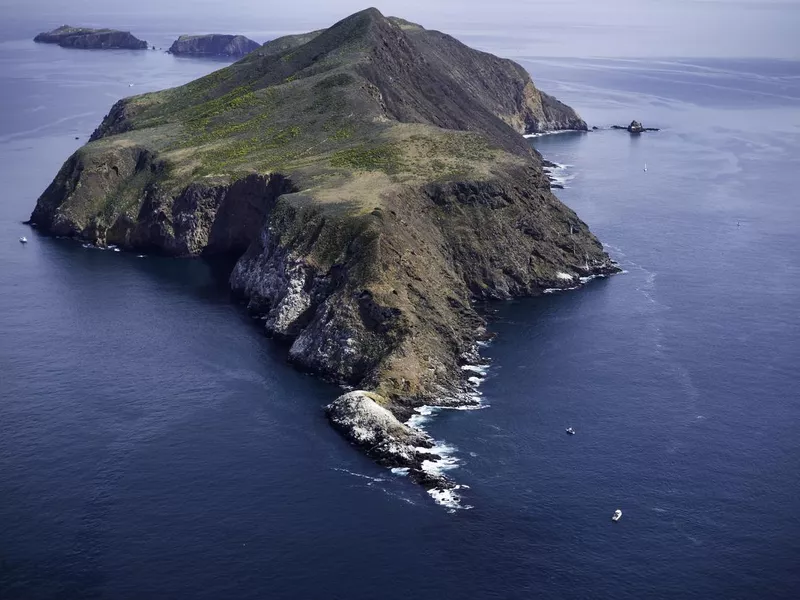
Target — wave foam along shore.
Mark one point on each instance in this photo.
(558, 174)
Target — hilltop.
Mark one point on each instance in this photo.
(372, 180)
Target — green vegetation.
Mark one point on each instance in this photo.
(384, 158)
(343, 133)
(294, 109)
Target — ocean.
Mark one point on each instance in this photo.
(155, 444)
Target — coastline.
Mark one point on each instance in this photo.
(469, 398)
(438, 457)
(373, 276)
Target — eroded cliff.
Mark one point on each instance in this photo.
(213, 44)
(374, 181)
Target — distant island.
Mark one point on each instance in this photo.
(91, 39)
(373, 183)
(213, 44)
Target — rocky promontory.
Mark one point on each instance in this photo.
(362, 419)
(213, 44)
(373, 183)
(91, 39)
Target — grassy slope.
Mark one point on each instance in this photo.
(284, 109)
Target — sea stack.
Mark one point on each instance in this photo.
(91, 39)
(374, 182)
(635, 127)
(213, 44)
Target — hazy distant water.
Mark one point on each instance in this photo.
(154, 444)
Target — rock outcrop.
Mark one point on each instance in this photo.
(373, 181)
(635, 127)
(91, 39)
(360, 418)
(213, 44)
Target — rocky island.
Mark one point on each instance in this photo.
(635, 127)
(213, 44)
(91, 39)
(372, 181)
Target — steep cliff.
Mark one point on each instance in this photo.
(213, 44)
(91, 39)
(374, 182)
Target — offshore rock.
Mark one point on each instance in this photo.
(213, 44)
(635, 127)
(91, 39)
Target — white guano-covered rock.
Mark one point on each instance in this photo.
(368, 423)
(359, 417)
(364, 422)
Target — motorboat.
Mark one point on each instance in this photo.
(617, 515)
(23, 240)
(570, 431)
(645, 167)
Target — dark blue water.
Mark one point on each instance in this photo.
(153, 444)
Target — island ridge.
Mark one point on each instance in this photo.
(373, 183)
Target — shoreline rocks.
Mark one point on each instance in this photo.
(213, 44)
(360, 417)
(85, 38)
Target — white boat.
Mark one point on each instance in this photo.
(617, 515)
(570, 431)
(23, 240)
(645, 167)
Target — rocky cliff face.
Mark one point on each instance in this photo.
(434, 71)
(374, 182)
(91, 39)
(213, 44)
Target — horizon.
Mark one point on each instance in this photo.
(575, 28)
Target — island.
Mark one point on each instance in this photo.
(91, 39)
(213, 44)
(373, 184)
